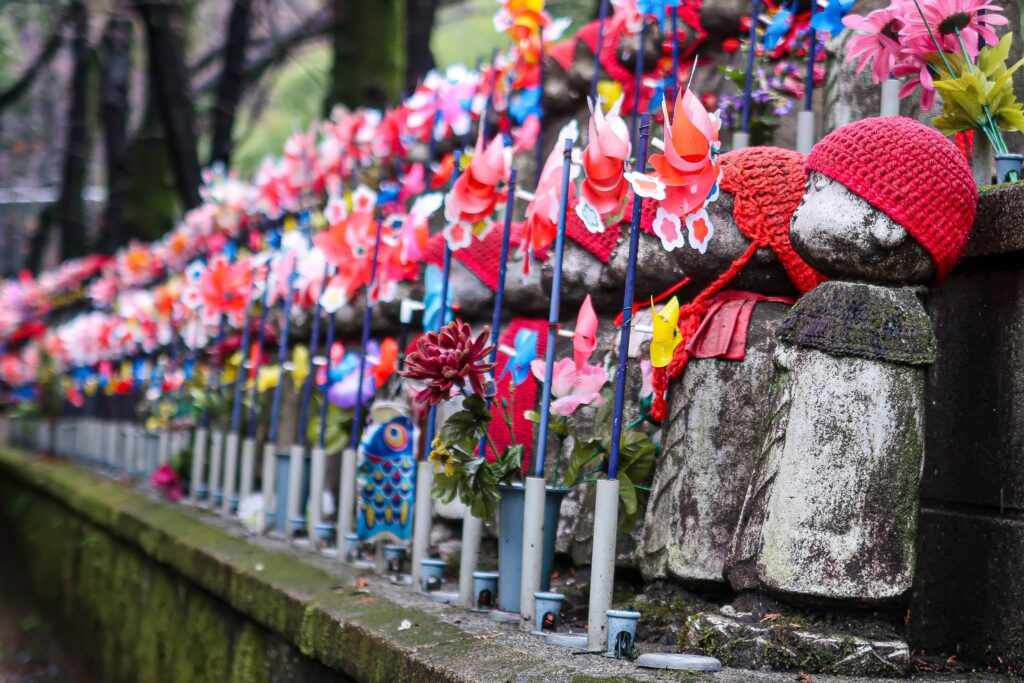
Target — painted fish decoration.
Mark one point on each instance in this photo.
(387, 481)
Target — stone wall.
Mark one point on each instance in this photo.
(969, 592)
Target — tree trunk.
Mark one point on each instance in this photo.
(232, 80)
(169, 76)
(419, 25)
(115, 76)
(369, 53)
(70, 209)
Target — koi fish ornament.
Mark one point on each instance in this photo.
(387, 472)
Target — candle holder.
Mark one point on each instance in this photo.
(547, 611)
(431, 574)
(351, 551)
(621, 633)
(485, 591)
(394, 557)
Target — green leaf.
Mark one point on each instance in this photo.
(583, 454)
(627, 494)
(532, 415)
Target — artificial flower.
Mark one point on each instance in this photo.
(584, 337)
(604, 160)
(572, 387)
(449, 360)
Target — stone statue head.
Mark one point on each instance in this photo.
(888, 201)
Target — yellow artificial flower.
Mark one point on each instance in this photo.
(443, 458)
(230, 373)
(268, 377)
(666, 332)
(300, 364)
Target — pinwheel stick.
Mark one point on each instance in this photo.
(499, 295)
(357, 423)
(260, 337)
(627, 306)
(307, 386)
(553, 313)
(282, 356)
(812, 50)
(602, 17)
(236, 406)
(638, 78)
(446, 273)
(328, 343)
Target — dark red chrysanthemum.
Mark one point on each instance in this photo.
(449, 359)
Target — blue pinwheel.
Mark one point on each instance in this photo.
(432, 285)
(830, 19)
(525, 352)
(777, 29)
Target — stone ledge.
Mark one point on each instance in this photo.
(350, 631)
(999, 225)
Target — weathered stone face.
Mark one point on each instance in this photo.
(842, 236)
(711, 444)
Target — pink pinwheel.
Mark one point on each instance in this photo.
(584, 338)
(604, 161)
(572, 387)
(541, 225)
(225, 286)
(685, 177)
(475, 194)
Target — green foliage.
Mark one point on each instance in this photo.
(980, 94)
(461, 471)
(339, 425)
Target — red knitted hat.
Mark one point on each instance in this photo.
(767, 184)
(910, 172)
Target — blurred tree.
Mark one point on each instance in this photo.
(369, 53)
(419, 25)
(115, 75)
(168, 77)
(232, 82)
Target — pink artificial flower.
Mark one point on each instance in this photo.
(572, 387)
(165, 480)
(876, 41)
(972, 19)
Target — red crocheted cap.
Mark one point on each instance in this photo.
(912, 173)
(767, 184)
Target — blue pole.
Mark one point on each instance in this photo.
(307, 387)
(627, 306)
(282, 356)
(357, 423)
(499, 296)
(323, 406)
(539, 151)
(602, 17)
(236, 407)
(638, 78)
(445, 275)
(675, 51)
(811, 51)
(748, 83)
(260, 337)
(556, 295)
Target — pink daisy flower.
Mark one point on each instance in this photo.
(974, 19)
(877, 41)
